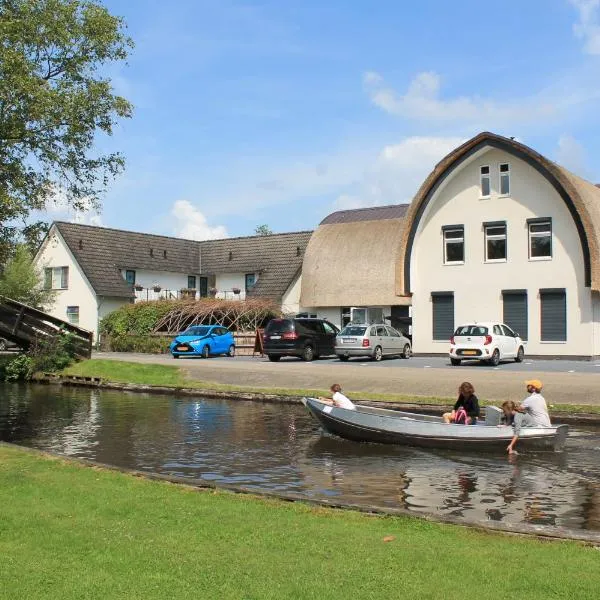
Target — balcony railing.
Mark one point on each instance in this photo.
(149, 294)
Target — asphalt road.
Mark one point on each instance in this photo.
(564, 381)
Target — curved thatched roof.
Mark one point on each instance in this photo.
(581, 197)
(351, 259)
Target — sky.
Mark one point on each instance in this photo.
(280, 112)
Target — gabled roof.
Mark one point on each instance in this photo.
(276, 257)
(102, 252)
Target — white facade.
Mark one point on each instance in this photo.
(477, 285)
(290, 303)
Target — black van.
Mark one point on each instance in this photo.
(306, 338)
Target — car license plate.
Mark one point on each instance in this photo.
(348, 340)
(181, 348)
(275, 337)
(470, 353)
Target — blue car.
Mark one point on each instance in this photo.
(203, 340)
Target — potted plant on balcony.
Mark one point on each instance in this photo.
(213, 292)
(236, 291)
(156, 288)
(138, 287)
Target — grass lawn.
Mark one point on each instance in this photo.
(171, 376)
(68, 531)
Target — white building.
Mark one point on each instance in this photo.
(95, 270)
(496, 232)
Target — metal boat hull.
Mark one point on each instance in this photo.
(394, 427)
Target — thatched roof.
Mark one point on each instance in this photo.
(581, 197)
(351, 259)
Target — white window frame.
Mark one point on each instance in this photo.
(483, 176)
(487, 237)
(57, 278)
(531, 235)
(500, 175)
(460, 240)
(71, 313)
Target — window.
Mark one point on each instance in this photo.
(443, 315)
(471, 330)
(508, 331)
(454, 244)
(329, 328)
(393, 332)
(130, 277)
(203, 287)
(495, 242)
(540, 239)
(485, 182)
(515, 311)
(497, 330)
(73, 315)
(505, 179)
(250, 281)
(56, 278)
(382, 331)
(553, 314)
(191, 282)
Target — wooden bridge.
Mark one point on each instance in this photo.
(25, 326)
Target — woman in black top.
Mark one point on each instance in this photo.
(466, 408)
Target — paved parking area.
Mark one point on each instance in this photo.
(565, 382)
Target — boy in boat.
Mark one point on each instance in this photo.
(338, 399)
(466, 408)
(533, 412)
(509, 408)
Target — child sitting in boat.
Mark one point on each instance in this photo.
(338, 399)
(466, 408)
(509, 408)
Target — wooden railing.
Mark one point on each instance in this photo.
(25, 325)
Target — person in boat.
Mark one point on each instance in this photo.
(466, 408)
(338, 399)
(532, 412)
(509, 409)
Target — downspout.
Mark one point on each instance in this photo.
(99, 306)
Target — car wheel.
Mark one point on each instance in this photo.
(344, 358)
(274, 357)
(407, 352)
(377, 353)
(175, 355)
(231, 351)
(205, 351)
(308, 354)
(2, 345)
(520, 354)
(495, 360)
(455, 362)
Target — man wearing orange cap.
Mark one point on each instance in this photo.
(533, 412)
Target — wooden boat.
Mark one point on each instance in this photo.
(369, 424)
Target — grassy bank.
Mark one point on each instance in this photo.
(73, 532)
(171, 376)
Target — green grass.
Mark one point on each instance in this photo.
(170, 376)
(68, 531)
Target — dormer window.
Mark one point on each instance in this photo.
(164, 254)
(505, 179)
(485, 181)
(151, 252)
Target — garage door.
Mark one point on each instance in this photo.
(443, 315)
(515, 311)
(553, 309)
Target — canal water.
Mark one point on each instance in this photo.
(281, 448)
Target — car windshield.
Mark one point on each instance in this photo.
(353, 330)
(471, 330)
(279, 326)
(201, 331)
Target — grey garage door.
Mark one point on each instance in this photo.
(553, 309)
(515, 311)
(443, 315)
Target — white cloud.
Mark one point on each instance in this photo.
(423, 101)
(58, 209)
(587, 28)
(397, 172)
(192, 224)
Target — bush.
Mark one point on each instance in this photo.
(19, 368)
(135, 319)
(138, 343)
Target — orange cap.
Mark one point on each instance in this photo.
(536, 383)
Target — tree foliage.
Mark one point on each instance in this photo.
(55, 99)
(21, 280)
(263, 230)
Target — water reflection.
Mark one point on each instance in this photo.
(270, 447)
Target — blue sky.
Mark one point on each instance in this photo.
(280, 112)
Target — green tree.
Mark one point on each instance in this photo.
(263, 230)
(55, 101)
(22, 281)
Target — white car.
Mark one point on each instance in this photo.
(488, 342)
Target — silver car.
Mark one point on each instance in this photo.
(374, 341)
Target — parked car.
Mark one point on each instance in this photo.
(374, 341)
(488, 342)
(305, 338)
(203, 340)
(6, 344)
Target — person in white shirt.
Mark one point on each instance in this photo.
(533, 412)
(338, 399)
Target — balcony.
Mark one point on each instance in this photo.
(150, 294)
